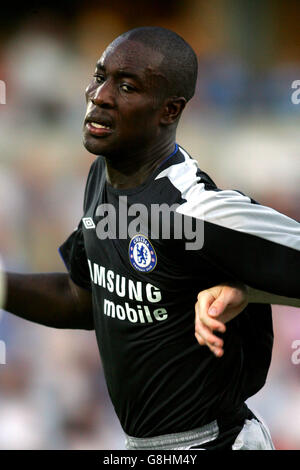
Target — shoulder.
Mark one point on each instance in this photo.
(184, 173)
(228, 208)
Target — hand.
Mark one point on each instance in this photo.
(215, 307)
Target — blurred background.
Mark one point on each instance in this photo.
(241, 126)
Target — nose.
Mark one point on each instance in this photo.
(102, 95)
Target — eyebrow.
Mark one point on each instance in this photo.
(120, 73)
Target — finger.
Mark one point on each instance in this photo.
(201, 309)
(202, 317)
(199, 339)
(204, 301)
(217, 351)
(208, 337)
(203, 328)
(213, 325)
(218, 307)
(228, 299)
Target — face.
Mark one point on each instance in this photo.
(123, 111)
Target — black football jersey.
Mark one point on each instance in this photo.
(144, 254)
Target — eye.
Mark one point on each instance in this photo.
(127, 88)
(99, 78)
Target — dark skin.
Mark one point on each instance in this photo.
(50, 299)
(125, 96)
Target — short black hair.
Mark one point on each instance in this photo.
(179, 65)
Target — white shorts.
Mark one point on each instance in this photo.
(254, 436)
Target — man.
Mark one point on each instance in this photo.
(136, 285)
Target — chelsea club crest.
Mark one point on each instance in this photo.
(142, 255)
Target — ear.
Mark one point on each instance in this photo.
(172, 110)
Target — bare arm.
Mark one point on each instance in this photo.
(50, 299)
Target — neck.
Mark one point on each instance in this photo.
(132, 169)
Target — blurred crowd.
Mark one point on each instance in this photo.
(241, 126)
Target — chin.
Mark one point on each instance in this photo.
(97, 147)
(92, 147)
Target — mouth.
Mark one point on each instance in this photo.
(99, 127)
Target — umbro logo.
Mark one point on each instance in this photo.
(88, 222)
